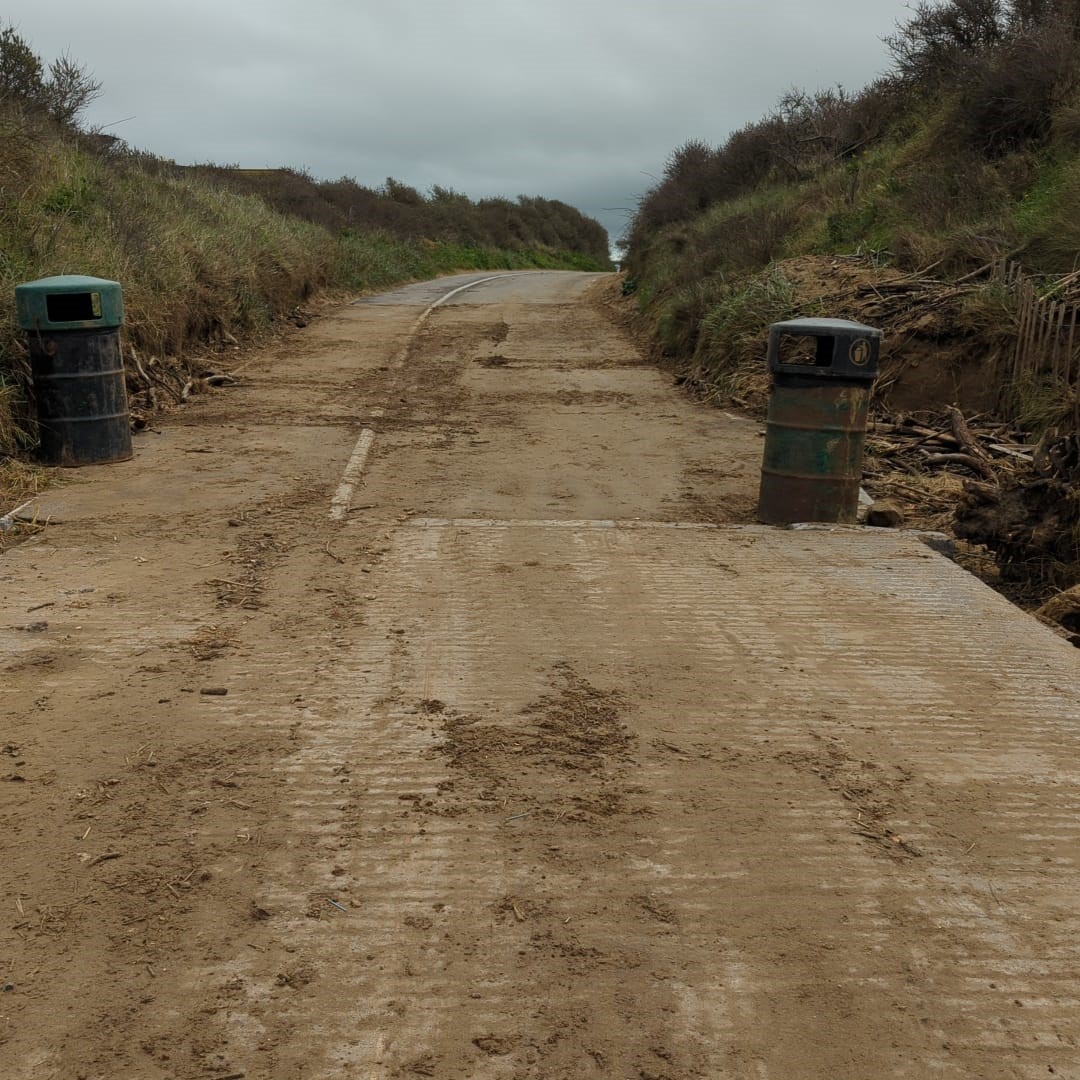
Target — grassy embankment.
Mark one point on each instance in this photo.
(197, 260)
(967, 151)
(212, 253)
(932, 203)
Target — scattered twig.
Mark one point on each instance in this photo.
(152, 378)
(962, 433)
(973, 463)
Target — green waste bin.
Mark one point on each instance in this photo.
(823, 372)
(73, 330)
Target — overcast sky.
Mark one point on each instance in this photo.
(580, 100)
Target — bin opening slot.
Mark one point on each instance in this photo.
(808, 350)
(73, 307)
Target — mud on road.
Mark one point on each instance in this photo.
(529, 763)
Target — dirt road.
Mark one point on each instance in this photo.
(415, 711)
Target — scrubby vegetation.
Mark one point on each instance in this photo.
(966, 151)
(209, 252)
(400, 210)
(941, 203)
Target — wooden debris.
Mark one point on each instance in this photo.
(105, 858)
(987, 451)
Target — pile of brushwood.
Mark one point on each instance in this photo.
(1029, 513)
(981, 480)
(152, 384)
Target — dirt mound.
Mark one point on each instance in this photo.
(564, 755)
(937, 348)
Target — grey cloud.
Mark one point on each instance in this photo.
(572, 99)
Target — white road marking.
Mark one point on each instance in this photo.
(403, 355)
(377, 1059)
(553, 523)
(339, 504)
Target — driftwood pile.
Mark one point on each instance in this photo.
(1019, 500)
(177, 383)
(903, 304)
(1030, 517)
(917, 446)
(905, 455)
(892, 302)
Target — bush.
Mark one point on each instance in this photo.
(60, 91)
(400, 210)
(211, 251)
(935, 45)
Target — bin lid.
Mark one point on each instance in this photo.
(825, 328)
(69, 302)
(845, 350)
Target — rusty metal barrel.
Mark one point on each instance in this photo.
(73, 332)
(823, 371)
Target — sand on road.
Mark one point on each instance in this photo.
(525, 758)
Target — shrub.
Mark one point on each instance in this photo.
(936, 43)
(1008, 96)
(60, 91)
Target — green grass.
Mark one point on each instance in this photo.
(1039, 403)
(197, 261)
(1047, 217)
(911, 200)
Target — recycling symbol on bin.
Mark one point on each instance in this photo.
(859, 352)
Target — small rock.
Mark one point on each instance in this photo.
(493, 1045)
(8, 987)
(259, 912)
(34, 627)
(885, 515)
(214, 691)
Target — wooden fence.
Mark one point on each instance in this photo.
(1046, 337)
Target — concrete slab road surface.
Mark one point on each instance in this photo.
(506, 751)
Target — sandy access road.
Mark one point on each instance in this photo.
(529, 765)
